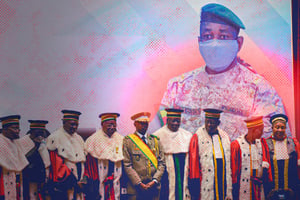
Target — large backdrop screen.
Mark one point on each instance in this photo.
(117, 56)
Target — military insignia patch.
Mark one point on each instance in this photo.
(154, 151)
(137, 157)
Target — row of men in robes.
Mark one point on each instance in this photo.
(63, 166)
(96, 168)
(24, 162)
(144, 156)
(249, 167)
(205, 165)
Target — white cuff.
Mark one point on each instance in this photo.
(266, 165)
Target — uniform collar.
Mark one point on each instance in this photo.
(272, 137)
(140, 135)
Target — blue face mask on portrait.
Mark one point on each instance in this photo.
(218, 54)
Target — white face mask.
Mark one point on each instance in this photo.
(218, 54)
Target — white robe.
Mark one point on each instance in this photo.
(13, 161)
(105, 148)
(173, 143)
(207, 163)
(257, 160)
(71, 148)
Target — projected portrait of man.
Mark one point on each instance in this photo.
(225, 82)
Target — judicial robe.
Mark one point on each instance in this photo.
(36, 173)
(284, 171)
(67, 158)
(249, 161)
(206, 173)
(104, 165)
(12, 162)
(175, 147)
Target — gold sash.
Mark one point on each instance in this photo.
(216, 170)
(144, 149)
(276, 173)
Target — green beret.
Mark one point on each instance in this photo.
(220, 14)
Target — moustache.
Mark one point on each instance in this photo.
(39, 139)
(111, 129)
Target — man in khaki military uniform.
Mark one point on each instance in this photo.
(144, 161)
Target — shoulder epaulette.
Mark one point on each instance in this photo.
(127, 136)
(154, 136)
(246, 65)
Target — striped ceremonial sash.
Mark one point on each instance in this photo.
(216, 172)
(144, 149)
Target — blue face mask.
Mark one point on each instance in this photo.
(218, 54)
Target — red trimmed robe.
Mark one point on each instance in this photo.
(203, 173)
(246, 160)
(103, 167)
(67, 159)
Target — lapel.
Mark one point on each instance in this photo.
(149, 152)
(150, 141)
(147, 137)
(151, 145)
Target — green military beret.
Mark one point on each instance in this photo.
(220, 14)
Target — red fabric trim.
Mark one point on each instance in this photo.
(58, 170)
(297, 149)
(266, 157)
(256, 182)
(109, 188)
(1, 183)
(296, 63)
(18, 188)
(91, 168)
(194, 159)
(235, 161)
